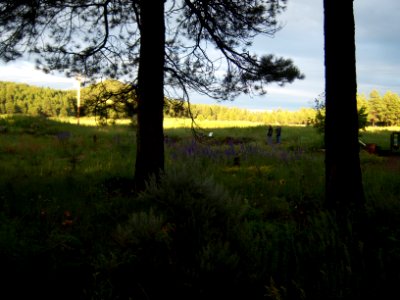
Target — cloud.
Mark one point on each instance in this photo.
(376, 20)
(25, 72)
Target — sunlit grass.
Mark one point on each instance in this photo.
(88, 121)
(187, 123)
(382, 128)
(168, 122)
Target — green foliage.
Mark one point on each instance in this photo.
(208, 229)
(319, 121)
(112, 100)
(176, 108)
(178, 239)
(16, 98)
(362, 118)
(109, 100)
(272, 69)
(196, 207)
(219, 112)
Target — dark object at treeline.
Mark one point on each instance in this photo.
(375, 149)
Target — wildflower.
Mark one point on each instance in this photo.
(67, 218)
(63, 135)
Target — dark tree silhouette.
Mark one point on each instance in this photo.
(150, 138)
(344, 188)
(187, 45)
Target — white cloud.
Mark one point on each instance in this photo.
(25, 72)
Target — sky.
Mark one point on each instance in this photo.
(300, 39)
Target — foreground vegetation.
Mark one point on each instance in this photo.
(233, 217)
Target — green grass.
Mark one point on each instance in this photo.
(233, 217)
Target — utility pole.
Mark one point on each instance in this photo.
(78, 97)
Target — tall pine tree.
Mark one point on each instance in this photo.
(344, 188)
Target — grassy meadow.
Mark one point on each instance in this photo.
(234, 217)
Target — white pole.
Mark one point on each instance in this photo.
(78, 97)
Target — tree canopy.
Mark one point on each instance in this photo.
(102, 39)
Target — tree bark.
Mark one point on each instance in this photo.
(344, 188)
(150, 135)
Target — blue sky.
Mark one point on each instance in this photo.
(301, 39)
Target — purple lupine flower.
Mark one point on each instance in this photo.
(63, 135)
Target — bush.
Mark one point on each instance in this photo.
(180, 241)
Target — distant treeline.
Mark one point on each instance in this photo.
(17, 98)
(381, 110)
(218, 112)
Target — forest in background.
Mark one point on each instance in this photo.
(104, 100)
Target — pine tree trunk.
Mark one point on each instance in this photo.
(344, 189)
(150, 136)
